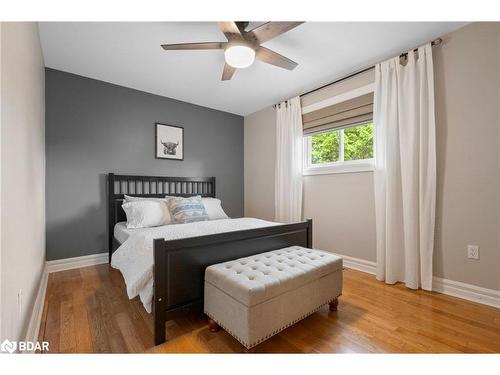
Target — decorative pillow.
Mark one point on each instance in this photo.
(187, 210)
(214, 208)
(146, 213)
(167, 219)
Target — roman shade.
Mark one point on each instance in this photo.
(339, 115)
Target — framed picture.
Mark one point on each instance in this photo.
(169, 142)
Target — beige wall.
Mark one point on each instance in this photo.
(343, 211)
(22, 148)
(341, 205)
(467, 87)
(260, 157)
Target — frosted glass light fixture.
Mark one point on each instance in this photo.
(239, 56)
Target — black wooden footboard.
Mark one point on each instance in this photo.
(179, 265)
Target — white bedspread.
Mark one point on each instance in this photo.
(134, 258)
(121, 232)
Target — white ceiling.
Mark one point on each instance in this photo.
(129, 54)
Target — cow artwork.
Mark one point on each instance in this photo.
(169, 142)
(169, 147)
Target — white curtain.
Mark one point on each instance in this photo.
(288, 176)
(405, 175)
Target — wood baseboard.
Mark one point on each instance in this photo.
(76, 262)
(36, 313)
(469, 292)
(359, 264)
(453, 288)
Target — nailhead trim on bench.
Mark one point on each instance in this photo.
(264, 338)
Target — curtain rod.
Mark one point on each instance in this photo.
(435, 42)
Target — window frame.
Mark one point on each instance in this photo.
(341, 166)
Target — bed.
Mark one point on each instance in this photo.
(181, 252)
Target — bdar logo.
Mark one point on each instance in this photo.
(8, 346)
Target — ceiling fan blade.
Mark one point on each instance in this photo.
(230, 30)
(271, 30)
(228, 72)
(266, 55)
(187, 46)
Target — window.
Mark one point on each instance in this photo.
(350, 149)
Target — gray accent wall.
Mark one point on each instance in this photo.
(93, 127)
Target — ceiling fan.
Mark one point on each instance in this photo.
(243, 47)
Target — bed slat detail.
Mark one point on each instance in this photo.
(150, 186)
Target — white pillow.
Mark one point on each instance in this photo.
(168, 217)
(146, 213)
(214, 208)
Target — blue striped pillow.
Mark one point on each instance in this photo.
(187, 210)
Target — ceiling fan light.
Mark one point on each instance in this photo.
(239, 56)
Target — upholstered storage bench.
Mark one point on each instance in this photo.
(256, 297)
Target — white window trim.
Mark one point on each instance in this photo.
(341, 166)
(351, 166)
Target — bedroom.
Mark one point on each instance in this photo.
(270, 187)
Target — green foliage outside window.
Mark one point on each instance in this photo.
(325, 147)
(358, 144)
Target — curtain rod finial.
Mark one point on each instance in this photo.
(437, 41)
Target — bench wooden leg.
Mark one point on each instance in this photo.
(333, 305)
(213, 326)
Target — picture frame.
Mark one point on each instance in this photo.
(169, 142)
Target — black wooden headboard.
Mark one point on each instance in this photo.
(151, 187)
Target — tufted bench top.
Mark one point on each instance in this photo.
(260, 277)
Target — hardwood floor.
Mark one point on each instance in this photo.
(87, 310)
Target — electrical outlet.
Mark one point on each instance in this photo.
(473, 252)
